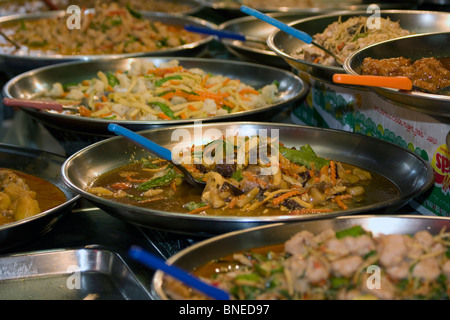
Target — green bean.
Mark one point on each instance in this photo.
(305, 156)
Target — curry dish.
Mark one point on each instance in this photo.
(301, 182)
(332, 265)
(23, 195)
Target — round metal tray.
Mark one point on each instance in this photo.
(218, 247)
(286, 46)
(8, 7)
(410, 173)
(26, 85)
(412, 47)
(16, 64)
(232, 6)
(43, 165)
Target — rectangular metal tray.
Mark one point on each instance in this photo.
(79, 274)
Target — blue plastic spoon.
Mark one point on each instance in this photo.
(151, 261)
(288, 29)
(223, 34)
(155, 148)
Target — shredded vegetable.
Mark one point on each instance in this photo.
(164, 92)
(345, 37)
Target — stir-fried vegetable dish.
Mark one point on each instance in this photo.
(345, 37)
(346, 264)
(301, 182)
(110, 29)
(164, 92)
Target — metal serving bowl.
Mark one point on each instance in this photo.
(43, 165)
(233, 7)
(8, 7)
(28, 84)
(16, 64)
(218, 247)
(410, 173)
(286, 46)
(412, 47)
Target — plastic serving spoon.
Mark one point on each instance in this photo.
(35, 104)
(153, 262)
(401, 83)
(224, 34)
(155, 148)
(288, 29)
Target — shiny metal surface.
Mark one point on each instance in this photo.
(26, 85)
(321, 5)
(223, 245)
(8, 7)
(286, 46)
(250, 26)
(46, 166)
(409, 172)
(43, 275)
(15, 64)
(413, 47)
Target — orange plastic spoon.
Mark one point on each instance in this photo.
(402, 83)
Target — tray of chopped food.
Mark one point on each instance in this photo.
(106, 31)
(141, 93)
(427, 66)
(347, 258)
(344, 33)
(254, 173)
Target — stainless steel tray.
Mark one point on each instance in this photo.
(292, 89)
(286, 46)
(233, 6)
(221, 246)
(16, 64)
(410, 173)
(79, 274)
(412, 47)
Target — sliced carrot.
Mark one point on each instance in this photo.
(340, 203)
(192, 108)
(233, 202)
(183, 115)
(85, 112)
(333, 172)
(121, 185)
(163, 71)
(248, 90)
(200, 209)
(284, 196)
(163, 116)
(204, 79)
(168, 95)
